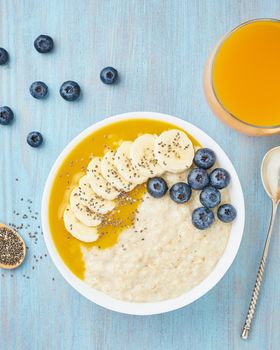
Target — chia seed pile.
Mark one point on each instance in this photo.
(27, 222)
(11, 247)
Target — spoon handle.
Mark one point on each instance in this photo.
(257, 287)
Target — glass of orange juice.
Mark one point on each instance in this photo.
(242, 77)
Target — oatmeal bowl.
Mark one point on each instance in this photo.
(143, 213)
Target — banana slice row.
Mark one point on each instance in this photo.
(120, 171)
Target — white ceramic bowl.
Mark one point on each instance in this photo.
(168, 305)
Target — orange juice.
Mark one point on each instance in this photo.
(245, 76)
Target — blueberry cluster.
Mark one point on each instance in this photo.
(69, 90)
(199, 179)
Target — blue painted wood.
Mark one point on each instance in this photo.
(160, 48)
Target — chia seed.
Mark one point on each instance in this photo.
(11, 247)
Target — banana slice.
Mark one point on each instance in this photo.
(82, 213)
(78, 229)
(174, 151)
(124, 164)
(143, 158)
(111, 174)
(91, 200)
(97, 182)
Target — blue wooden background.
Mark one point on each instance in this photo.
(159, 48)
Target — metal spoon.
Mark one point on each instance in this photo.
(274, 195)
(9, 267)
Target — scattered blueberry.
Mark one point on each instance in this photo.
(198, 178)
(43, 43)
(202, 218)
(6, 115)
(180, 192)
(210, 197)
(109, 75)
(70, 90)
(226, 213)
(157, 187)
(34, 139)
(38, 90)
(219, 178)
(204, 158)
(4, 56)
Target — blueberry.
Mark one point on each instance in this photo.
(6, 115)
(70, 90)
(38, 90)
(157, 187)
(198, 178)
(43, 43)
(204, 158)
(4, 56)
(226, 213)
(219, 178)
(210, 197)
(34, 139)
(180, 192)
(202, 218)
(109, 75)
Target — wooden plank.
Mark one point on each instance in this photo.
(159, 48)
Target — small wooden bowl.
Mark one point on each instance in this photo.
(9, 267)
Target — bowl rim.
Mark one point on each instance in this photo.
(150, 308)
